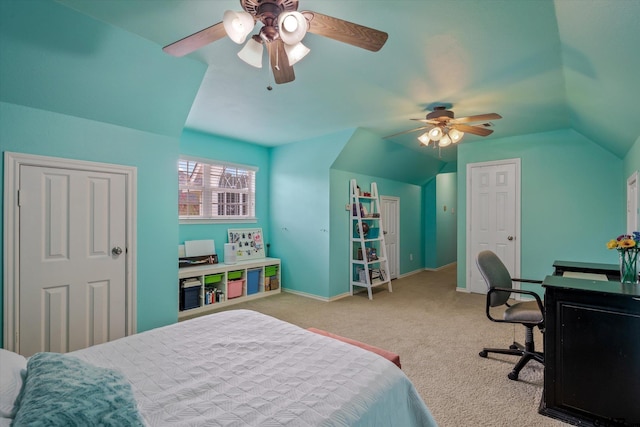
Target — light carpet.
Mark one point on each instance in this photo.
(438, 333)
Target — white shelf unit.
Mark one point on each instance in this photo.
(221, 273)
(369, 263)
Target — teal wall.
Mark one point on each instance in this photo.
(430, 224)
(301, 234)
(368, 154)
(56, 59)
(32, 131)
(206, 146)
(571, 196)
(441, 226)
(446, 218)
(74, 87)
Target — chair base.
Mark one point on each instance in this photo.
(516, 349)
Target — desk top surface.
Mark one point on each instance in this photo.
(587, 266)
(609, 287)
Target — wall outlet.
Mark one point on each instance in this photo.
(347, 207)
(410, 257)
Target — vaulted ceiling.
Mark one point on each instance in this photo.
(541, 64)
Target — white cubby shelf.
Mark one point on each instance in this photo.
(220, 276)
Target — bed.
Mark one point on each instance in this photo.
(244, 368)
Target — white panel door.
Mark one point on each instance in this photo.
(493, 217)
(72, 259)
(390, 218)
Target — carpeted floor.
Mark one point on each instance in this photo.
(438, 333)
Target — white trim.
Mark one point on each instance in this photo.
(307, 295)
(218, 162)
(633, 223)
(11, 247)
(411, 273)
(469, 257)
(218, 221)
(442, 267)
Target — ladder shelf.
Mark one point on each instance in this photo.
(369, 265)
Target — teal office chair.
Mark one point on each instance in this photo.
(528, 313)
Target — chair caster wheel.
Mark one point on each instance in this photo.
(513, 347)
(483, 353)
(513, 376)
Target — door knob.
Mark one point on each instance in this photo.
(510, 238)
(117, 250)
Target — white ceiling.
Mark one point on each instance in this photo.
(541, 64)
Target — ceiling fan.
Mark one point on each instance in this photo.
(443, 128)
(282, 30)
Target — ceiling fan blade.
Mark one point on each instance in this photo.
(282, 71)
(433, 122)
(345, 31)
(408, 131)
(478, 118)
(475, 130)
(196, 40)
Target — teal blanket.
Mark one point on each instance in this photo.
(62, 390)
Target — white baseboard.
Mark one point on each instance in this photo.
(316, 297)
(442, 267)
(411, 273)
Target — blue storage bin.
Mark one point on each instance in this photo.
(190, 298)
(253, 281)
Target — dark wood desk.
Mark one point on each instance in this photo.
(592, 352)
(612, 271)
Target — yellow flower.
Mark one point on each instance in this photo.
(612, 244)
(627, 243)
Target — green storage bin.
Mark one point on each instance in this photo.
(233, 275)
(271, 270)
(212, 278)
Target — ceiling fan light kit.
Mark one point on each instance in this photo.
(296, 52)
(435, 134)
(455, 135)
(251, 53)
(282, 31)
(292, 27)
(237, 25)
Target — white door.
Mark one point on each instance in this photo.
(390, 218)
(632, 204)
(493, 217)
(72, 230)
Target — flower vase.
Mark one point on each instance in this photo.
(629, 265)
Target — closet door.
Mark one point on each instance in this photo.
(72, 288)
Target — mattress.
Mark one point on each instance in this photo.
(243, 368)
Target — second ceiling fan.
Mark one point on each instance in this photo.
(282, 31)
(442, 128)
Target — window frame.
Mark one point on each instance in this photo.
(207, 189)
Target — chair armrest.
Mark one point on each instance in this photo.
(515, 291)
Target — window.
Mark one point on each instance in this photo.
(215, 191)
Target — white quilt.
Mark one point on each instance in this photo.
(243, 368)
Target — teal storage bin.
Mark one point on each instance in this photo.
(253, 281)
